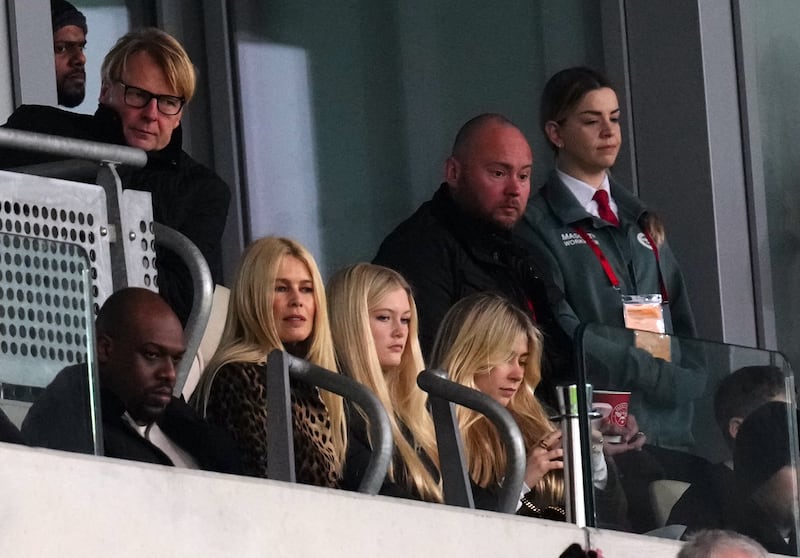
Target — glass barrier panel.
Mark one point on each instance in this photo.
(695, 434)
(47, 339)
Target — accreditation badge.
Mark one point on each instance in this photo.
(645, 315)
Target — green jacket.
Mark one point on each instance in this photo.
(662, 391)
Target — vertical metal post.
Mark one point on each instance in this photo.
(280, 441)
(108, 178)
(573, 471)
(455, 477)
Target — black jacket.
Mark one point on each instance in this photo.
(60, 419)
(9, 433)
(359, 452)
(702, 505)
(446, 255)
(187, 196)
(211, 447)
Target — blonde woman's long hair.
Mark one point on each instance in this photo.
(251, 332)
(352, 294)
(476, 335)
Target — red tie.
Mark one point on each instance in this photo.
(604, 209)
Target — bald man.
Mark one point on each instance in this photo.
(140, 342)
(462, 240)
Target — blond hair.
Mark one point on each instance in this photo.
(352, 294)
(165, 50)
(476, 335)
(251, 332)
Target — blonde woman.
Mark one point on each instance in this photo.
(277, 302)
(488, 344)
(374, 324)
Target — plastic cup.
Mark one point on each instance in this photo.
(618, 402)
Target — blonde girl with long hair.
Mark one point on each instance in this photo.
(487, 343)
(374, 325)
(277, 302)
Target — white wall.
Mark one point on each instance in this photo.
(59, 504)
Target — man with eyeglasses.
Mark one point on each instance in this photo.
(69, 40)
(147, 80)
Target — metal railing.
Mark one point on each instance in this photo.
(202, 295)
(281, 367)
(455, 478)
(72, 148)
(97, 162)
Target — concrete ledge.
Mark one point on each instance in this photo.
(62, 504)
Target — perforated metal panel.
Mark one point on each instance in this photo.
(73, 212)
(59, 210)
(45, 309)
(137, 234)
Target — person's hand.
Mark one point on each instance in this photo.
(599, 465)
(545, 456)
(632, 437)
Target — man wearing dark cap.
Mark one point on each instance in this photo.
(767, 479)
(69, 40)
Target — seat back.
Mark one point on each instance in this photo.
(210, 340)
(664, 493)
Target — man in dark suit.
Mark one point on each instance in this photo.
(140, 342)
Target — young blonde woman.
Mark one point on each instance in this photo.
(487, 343)
(277, 302)
(374, 325)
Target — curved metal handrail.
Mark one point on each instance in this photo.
(202, 295)
(436, 383)
(72, 148)
(280, 366)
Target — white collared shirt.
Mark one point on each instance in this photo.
(584, 193)
(153, 434)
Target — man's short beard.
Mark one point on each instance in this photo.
(475, 211)
(71, 98)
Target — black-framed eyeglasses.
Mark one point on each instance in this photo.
(137, 97)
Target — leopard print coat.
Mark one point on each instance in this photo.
(237, 402)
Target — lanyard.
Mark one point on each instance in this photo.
(612, 277)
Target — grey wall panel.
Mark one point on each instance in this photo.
(726, 163)
(689, 153)
(31, 41)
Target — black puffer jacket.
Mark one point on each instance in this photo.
(446, 255)
(187, 196)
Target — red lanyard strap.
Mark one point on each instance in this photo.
(612, 277)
